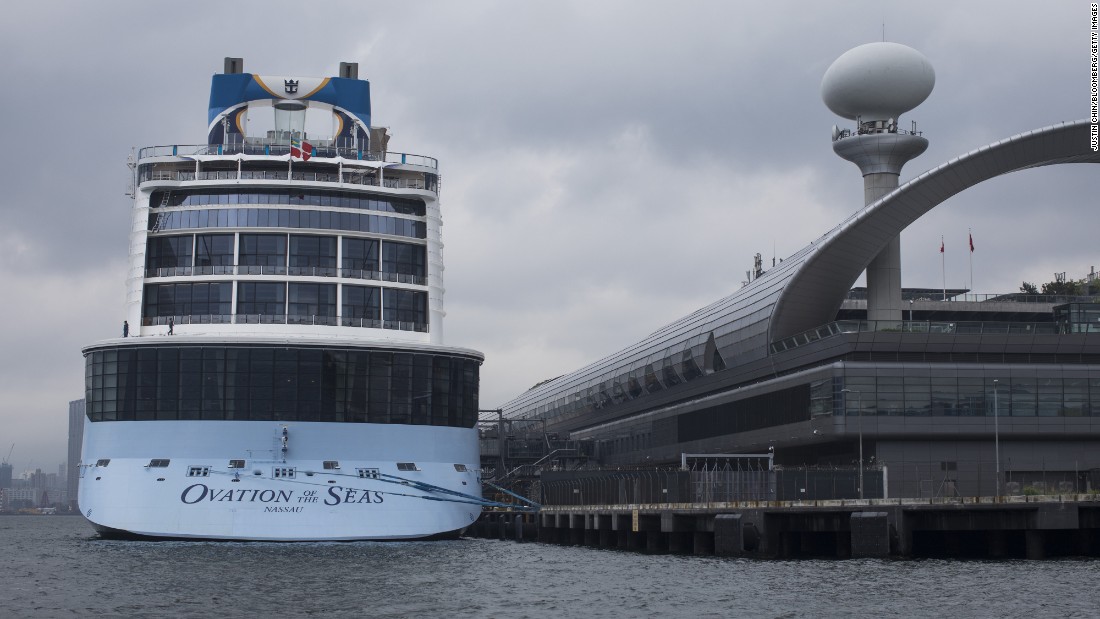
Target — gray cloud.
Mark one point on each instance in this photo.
(607, 167)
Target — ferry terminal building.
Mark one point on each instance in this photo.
(946, 396)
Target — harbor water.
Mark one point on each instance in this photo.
(58, 567)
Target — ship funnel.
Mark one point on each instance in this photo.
(350, 70)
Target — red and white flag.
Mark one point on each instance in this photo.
(941, 246)
(971, 243)
(301, 149)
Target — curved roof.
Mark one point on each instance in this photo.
(824, 276)
(806, 290)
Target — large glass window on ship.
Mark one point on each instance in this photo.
(360, 258)
(263, 254)
(312, 255)
(362, 307)
(214, 254)
(311, 304)
(187, 303)
(261, 302)
(168, 256)
(404, 263)
(405, 309)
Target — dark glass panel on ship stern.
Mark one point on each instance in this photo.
(305, 384)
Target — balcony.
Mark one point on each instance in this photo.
(383, 276)
(281, 319)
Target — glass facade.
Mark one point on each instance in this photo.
(1078, 318)
(279, 254)
(1016, 392)
(285, 302)
(892, 391)
(285, 218)
(289, 197)
(281, 384)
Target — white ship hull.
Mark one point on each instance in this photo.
(198, 496)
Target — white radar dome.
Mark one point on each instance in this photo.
(877, 81)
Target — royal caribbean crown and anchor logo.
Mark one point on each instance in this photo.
(290, 86)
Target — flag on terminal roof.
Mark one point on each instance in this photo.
(301, 149)
(941, 246)
(971, 243)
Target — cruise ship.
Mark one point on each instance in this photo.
(281, 373)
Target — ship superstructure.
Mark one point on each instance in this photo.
(282, 374)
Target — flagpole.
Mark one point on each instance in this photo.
(943, 267)
(970, 239)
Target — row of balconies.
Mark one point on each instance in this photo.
(280, 150)
(401, 278)
(348, 178)
(282, 319)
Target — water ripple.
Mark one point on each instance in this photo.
(57, 567)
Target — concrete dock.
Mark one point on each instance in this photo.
(1032, 527)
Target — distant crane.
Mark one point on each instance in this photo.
(9, 454)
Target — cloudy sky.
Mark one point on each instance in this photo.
(607, 166)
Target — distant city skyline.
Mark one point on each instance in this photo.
(607, 168)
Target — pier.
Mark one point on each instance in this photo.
(1032, 527)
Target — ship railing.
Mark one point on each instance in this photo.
(283, 319)
(367, 323)
(312, 271)
(401, 278)
(261, 269)
(297, 271)
(306, 319)
(263, 147)
(349, 178)
(260, 319)
(197, 319)
(217, 269)
(168, 272)
(402, 325)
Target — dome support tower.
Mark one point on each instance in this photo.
(874, 84)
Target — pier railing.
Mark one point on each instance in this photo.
(649, 487)
(727, 484)
(842, 327)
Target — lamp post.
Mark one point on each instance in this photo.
(996, 437)
(859, 406)
(910, 314)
